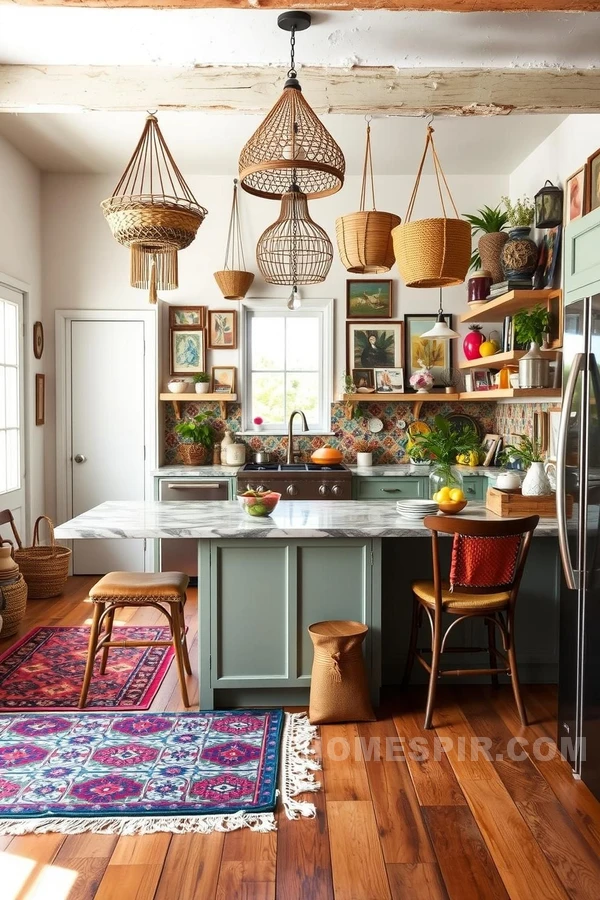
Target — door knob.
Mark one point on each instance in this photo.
(79, 458)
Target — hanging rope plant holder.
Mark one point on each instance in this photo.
(432, 252)
(233, 280)
(364, 238)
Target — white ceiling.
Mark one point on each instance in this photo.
(79, 36)
(209, 144)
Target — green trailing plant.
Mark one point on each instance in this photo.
(531, 325)
(486, 221)
(446, 441)
(196, 429)
(520, 213)
(418, 454)
(201, 378)
(526, 452)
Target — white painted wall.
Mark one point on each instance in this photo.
(20, 258)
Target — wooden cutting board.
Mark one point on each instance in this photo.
(515, 504)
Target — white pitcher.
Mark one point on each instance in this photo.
(536, 483)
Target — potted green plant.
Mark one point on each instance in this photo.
(490, 224)
(202, 382)
(418, 455)
(444, 443)
(520, 253)
(197, 439)
(529, 453)
(530, 327)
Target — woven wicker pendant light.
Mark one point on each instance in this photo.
(294, 250)
(292, 144)
(233, 280)
(364, 238)
(153, 210)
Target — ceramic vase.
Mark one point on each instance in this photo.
(536, 483)
(519, 254)
(472, 342)
(364, 460)
(490, 249)
(202, 387)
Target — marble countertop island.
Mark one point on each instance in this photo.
(225, 519)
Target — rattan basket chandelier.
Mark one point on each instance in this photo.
(294, 250)
(153, 211)
(233, 279)
(292, 145)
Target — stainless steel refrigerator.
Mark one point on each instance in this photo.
(578, 475)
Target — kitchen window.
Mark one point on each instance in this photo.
(287, 364)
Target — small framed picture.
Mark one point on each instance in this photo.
(389, 381)
(40, 399)
(371, 345)
(552, 245)
(592, 182)
(490, 445)
(38, 339)
(575, 196)
(431, 352)
(187, 351)
(481, 380)
(223, 379)
(363, 379)
(222, 329)
(186, 316)
(368, 299)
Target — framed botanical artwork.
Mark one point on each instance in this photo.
(368, 299)
(38, 339)
(575, 196)
(187, 351)
(40, 399)
(490, 445)
(433, 353)
(592, 181)
(222, 329)
(364, 379)
(223, 379)
(389, 381)
(186, 316)
(370, 345)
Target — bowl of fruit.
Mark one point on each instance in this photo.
(450, 501)
(258, 503)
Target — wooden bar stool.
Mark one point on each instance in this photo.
(164, 591)
(488, 558)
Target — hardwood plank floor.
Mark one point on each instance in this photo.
(403, 813)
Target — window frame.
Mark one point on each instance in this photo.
(324, 310)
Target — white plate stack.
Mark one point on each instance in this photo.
(416, 510)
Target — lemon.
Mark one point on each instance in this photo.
(443, 494)
(456, 494)
(436, 496)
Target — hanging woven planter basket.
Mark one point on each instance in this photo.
(364, 238)
(233, 280)
(432, 252)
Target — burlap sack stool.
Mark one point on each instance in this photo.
(339, 691)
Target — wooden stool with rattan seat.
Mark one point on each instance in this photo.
(488, 558)
(164, 591)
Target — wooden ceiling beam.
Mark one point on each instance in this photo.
(465, 6)
(358, 90)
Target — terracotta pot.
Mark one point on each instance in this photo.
(193, 454)
(490, 249)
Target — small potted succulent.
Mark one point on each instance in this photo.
(364, 454)
(258, 422)
(202, 382)
(197, 439)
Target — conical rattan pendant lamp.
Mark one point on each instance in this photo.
(364, 238)
(294, 250)
(292, 144)
(153, 211)
(233, 280)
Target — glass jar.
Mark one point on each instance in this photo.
(444, 475)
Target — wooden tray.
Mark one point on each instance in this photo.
(515, 504)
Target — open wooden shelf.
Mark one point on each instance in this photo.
(221, 399)
(508, 305)
(501, 359)
(417, 400)
(512, 393)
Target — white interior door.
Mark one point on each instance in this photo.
(12, 419)
(107, 433)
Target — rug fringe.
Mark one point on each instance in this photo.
(261, 822)
(297, 766)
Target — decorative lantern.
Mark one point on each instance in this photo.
(294, 250)
(549, 206)
(233, 280)
(153, 210)
(291, 145)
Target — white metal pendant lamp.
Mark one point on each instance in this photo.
(441, 330)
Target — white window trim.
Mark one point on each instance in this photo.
(325, 307)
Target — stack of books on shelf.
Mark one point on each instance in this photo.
(511, 284)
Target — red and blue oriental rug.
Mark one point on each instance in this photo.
(146, 772)
(44, 670)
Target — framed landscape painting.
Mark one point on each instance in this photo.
(187, 351)
(434, 353)
(368, 299)
(370, 345)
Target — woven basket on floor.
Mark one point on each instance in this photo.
(432, 252)
(339, 691)
(193, 454)
(13, 602)
(45, 569)
(234, 283)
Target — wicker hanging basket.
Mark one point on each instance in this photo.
(364, 238)
(13, 603)
(432, 252)
(45, 569)
(233, 280)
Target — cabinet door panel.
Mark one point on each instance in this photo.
(474, 487)
(389, 488)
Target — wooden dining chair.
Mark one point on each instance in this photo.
(488, 558)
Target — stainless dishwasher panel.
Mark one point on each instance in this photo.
(181, 554)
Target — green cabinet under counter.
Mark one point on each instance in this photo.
(475, 487)
(390, 488)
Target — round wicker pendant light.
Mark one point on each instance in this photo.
(291, 144)
(294, 250)
(233, 279)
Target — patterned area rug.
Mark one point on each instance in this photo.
(139, 773)
(44, 671)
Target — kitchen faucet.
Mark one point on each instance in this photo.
(290, 448)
